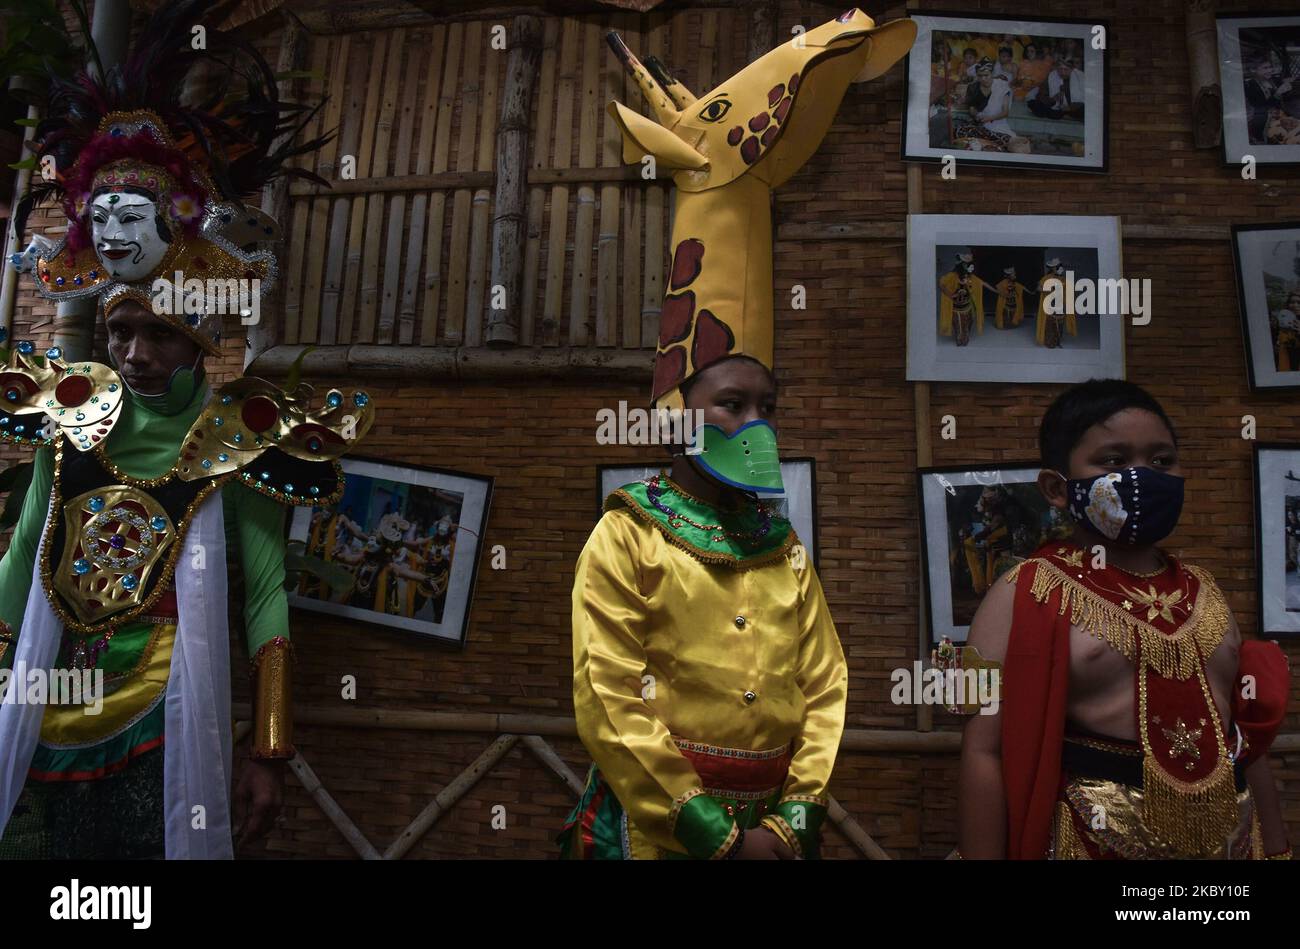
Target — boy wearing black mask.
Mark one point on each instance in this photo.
(1134, 721)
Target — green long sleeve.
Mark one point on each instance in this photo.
(16, 567)
(258, 523)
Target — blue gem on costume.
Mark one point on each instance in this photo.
(117, 542)
(239, 437)
(266, 476)
(360, 398)
(112, 387)
(116, 131)
(81, 565)
(158, 522)
(96, 504)
(218, 421)
(4, 420)
(130, 581)
(54, 352)
(334, 400)
(77, 279)
(59, 281)
(226, 400)
(223, 457)
(314, 490)
(288, 487)
(207, 462)
(26, 347)
(94, 274)
(18, 428)
(81, 416)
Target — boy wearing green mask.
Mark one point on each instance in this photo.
(1134, 721)
(709, 683)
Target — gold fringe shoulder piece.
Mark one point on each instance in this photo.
(1175, 655)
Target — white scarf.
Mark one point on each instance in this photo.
(197, 749)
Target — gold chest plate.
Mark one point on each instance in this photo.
(115, 537)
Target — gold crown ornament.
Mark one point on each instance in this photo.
(43, 396)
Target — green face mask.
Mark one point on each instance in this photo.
(746, 459)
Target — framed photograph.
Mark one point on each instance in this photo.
(976, 524)
(409, 536)
(1004, 90)
(798, 474)
(1259, 73)
(1267, 257)
(1015, 298)
(1277, 538)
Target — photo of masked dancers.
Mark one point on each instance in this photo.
(396, 541)
(1001, 297)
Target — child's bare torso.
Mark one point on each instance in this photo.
(1103, 686)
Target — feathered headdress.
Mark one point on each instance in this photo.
(152, 166)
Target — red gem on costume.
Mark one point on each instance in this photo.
(676, 317)
(759, 122)
(73, 390)
(713, 340)
(45, 276)
(774, 94)
(735, 135)
(782, 109)
(259, 413)
(770, 136)
(749, 150)
(687, 262)
(670, 369)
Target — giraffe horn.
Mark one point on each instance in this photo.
(662, 104)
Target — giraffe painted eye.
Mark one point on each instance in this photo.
(715, 110)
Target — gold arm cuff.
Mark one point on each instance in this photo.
(272, 700)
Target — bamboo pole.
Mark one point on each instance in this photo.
(867, 740)
(264, 334)
(611, 156)
(375, 209)
(924, 458)
(462, 200)
(8, 275)
(480, 216)
(851, 829)
(294, 292)
(557, 233)
(449, 796)
(330, 808)
(541, 153)
(438, 201)
(584, 219)
(396, 214)
(321, 206)
(509, 224)
(1203, 63)
(336, 248)
(356, 227)
(652, 289)
(546, 754)
(420, 203)
(634, 203)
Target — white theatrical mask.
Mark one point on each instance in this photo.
(126, 236)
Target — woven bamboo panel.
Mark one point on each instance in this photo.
(382, 261)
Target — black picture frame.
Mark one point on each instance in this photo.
(1253, 370)
(1227, 160)
(1265, 591)
(945, 625)
(299, 524)
(1101, 169)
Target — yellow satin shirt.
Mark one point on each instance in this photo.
(735, 656)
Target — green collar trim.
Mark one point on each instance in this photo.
(704, 545)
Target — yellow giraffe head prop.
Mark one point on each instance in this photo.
(729, 148)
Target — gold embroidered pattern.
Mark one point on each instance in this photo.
(779, 826)
(721, 752)
(677, 808)
(709, 556)
(1170, 655)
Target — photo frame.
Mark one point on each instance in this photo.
(977, 522)
(1267, 261)
(1277, 538)
(1259, 74)
(996, 333)
(410, 536)
(1044, 102)
(798, 474)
